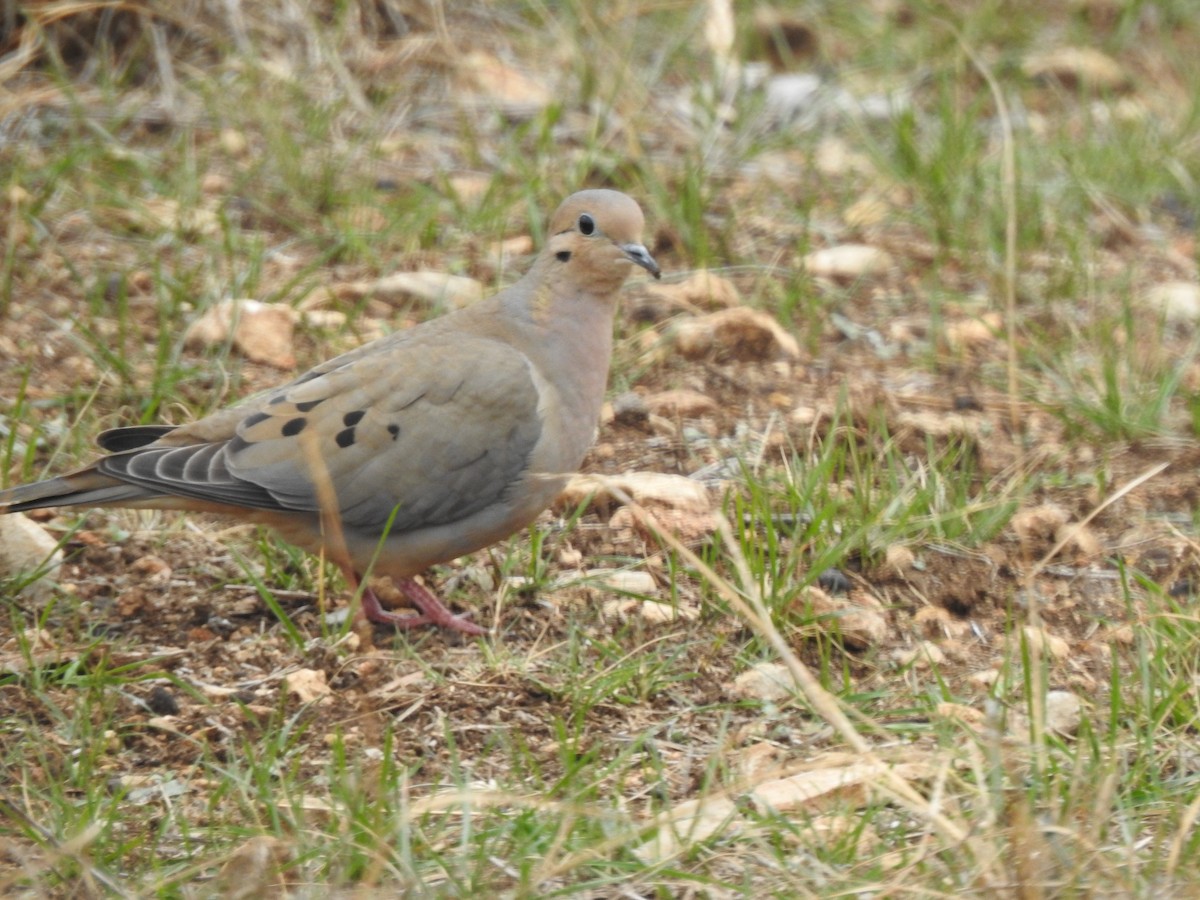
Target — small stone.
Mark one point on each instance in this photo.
(766, 681)
(430, 287)
(1176, 301)
(923, 655)
(1064, 712)
(683, 404)
(848, 262)
(656, 488)
(233, 142)
(1042, 641)
(834, 581)
(652, 612)
(630, 409)
(623, 580)
(260, 331)
(1038, 524)
(859, 621)
(985, 678)
(1077, 68)
(967, 334)
(162, 702)
(899, 558)
(26, 548)
(700, 291)
(741, 334)
(307, 684)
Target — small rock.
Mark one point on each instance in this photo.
(510, 248)
(985, 678)
(625, 581)
(154, 569)
(307, 684)
(162, 702)
(741, 333)
(428, 286)
(868, 210)
(700, 291)
(652, 612)
(848, 262)
(489, 82)
(859, 621)
(833, 581)
(1041, 640)
(923, 655)
(233, 142)
(25, 548)
(782, 38)
(941, 424)
(900, 559)
(967, 715)
(262, 332)
(753, 762)
(683, 404)
(966, 403)
(328, 319)
(792, 96)
(968, 334)
(654, 488)
(1064, 712)
(469, 187)
(1077, 67)
(1039, 524)
(630, 409)
(766, 681)
(1177, 301)
(690, 527)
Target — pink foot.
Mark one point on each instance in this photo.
(433, 611)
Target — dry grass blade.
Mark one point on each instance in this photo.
(751, 608)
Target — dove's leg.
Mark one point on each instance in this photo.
(432, 610)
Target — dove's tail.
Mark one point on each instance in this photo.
(86, 487)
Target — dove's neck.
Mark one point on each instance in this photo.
(568, 335)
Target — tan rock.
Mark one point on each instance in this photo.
(740, 333)
(1077, 67)
(769, 682)
(25, 548)
(646, 488)
(425, 285)
(682, 403)
(848, 262)
(262, 332)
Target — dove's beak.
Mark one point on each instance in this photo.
(636, 253)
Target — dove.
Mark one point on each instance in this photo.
(411, 450)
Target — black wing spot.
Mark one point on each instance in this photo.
(394, 431)
(345, 437)
(308, 405)
(293, 427)
(236, 444)
(277, 399)
(351, 419)
(563, 255)
(254, 418)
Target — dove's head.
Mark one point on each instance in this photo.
(595, 236)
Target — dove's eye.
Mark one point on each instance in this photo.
(587, 224)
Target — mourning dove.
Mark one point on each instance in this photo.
(411, 450)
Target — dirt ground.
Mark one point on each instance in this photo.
(872, 364)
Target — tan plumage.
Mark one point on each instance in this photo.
(457, 432)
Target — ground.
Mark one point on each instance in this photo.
(957, 462)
